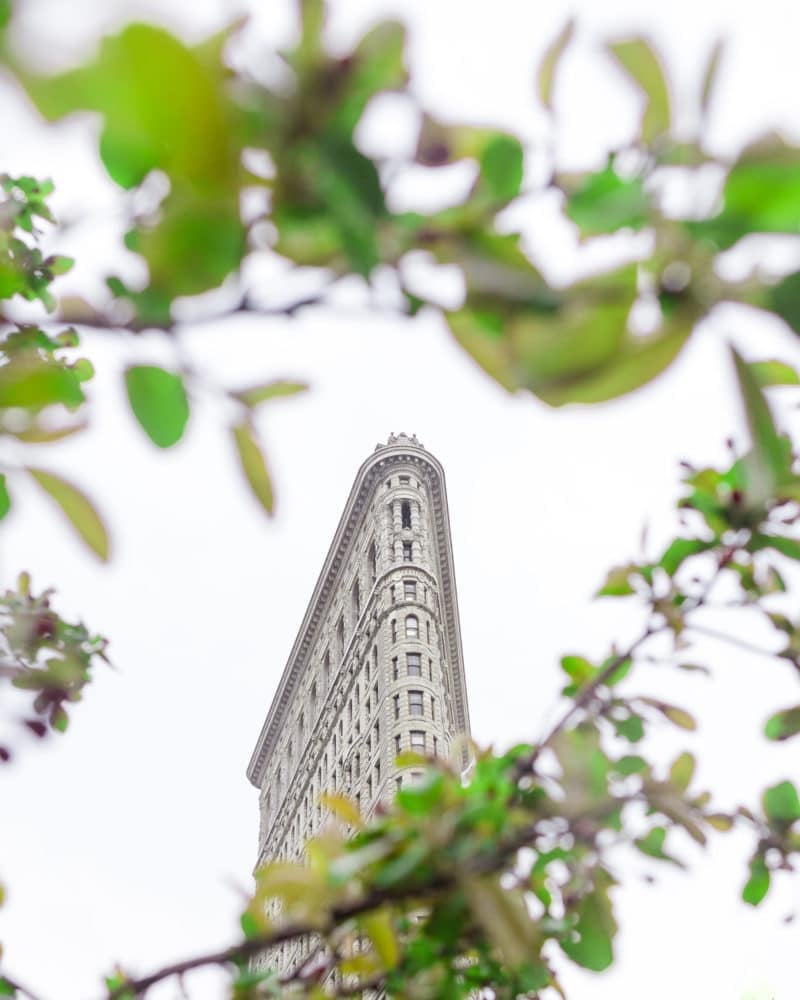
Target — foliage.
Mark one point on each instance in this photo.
(497, 881)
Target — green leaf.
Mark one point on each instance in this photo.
(761, 195)
(783, 725)
(187, 135)
(254, 466)
(757, 886)
(789, 547)
(605, 202)
(631, 729)
(618, 582)
(595, 928)
(784, 300)
(158, 400)
(774, 372)
(630, 764)
(505, 919)
(550, 61)
(768, 463)
(578, 669)
(380, 929)
(640, 62)
(501, 166)
(256, 394)
(710, 75)
(679, 550)
(781, 803)
(681, 771)
(677, 716)
(342, 807)
(78, 509)
(6, 989)
(652, 844)
(5, 12)
(5, 499)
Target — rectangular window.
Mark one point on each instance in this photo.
(428, 631)
(397, 744)
(392, 593)
(404, 480)
(399, 782)
(369, 788)
(430, 669)
(372, 560)
(410, 590)
(405, 514)
(393, 627)
(407, 552)
(377, 774)
(433, 707)
(394, 668)
(375, 693)
(397, 706)
(356, 601)
(340, 635)
(414, 664)
(415, 703)
(417, 740)
(377, 730)
(435, 746)
(358, 765)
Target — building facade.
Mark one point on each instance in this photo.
(377, 667)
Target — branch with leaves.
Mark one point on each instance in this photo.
(456, 887)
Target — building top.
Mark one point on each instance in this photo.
(399, 449)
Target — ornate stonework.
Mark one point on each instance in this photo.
(377, 666)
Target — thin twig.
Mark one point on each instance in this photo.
(734, 640)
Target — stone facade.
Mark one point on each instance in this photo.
(377, 666)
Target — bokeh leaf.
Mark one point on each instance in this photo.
(254, 466)
(550, 61)
(639, 60)
(78, 509)
(159, 402)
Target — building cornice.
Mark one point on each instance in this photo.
(370, 475)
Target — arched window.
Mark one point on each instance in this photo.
(412, 627)
(405, 514)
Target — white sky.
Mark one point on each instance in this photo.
(133, 837)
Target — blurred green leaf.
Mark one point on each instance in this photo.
(784, 300)
(550, 62)
(5, 499)
(680, 550)
(256, 394)
(501, 165)
(640, 62)
(78, 509)
(158, 400)
(604, 202)
(681, 771)
(618, 582)
(757, 885)
(783, 725)
(595, 928)
(380, 929)
(761, 195)
(781, 803)
(652, 844)
(768, 462)
(710, 75)
(769, 373)
(254, 466)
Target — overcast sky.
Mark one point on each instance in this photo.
(132, 838)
